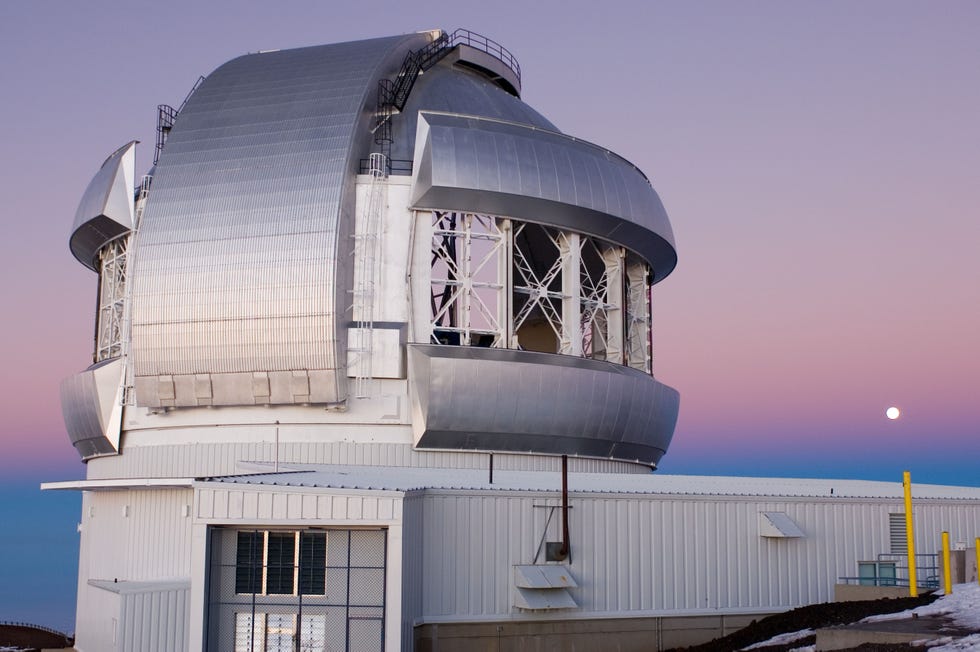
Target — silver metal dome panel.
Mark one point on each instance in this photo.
(242, 263)
(504, 168)
(91, 403)
(449, 89)
(106, 209)
(506, 400)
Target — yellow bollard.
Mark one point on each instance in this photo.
(947, 574)
(909, 535)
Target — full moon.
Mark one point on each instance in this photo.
(892, 413)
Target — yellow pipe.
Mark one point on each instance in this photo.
(909, 536)
(976, 548)
(947, 575)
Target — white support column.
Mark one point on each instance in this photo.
(614, 257)
(199, 576)
(393, 587)
(466, 280)
(420, 282)
(110, 335)
(505, 277)
(569, 246)
(638, 308)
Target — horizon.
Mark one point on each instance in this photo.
(817, 162)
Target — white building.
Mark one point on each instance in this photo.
(364, 310)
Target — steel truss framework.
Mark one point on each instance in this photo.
(499, 282)
(110, 330)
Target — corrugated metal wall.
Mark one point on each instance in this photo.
(154, 621)
(211, 459)
(653, 553)
(134, 536)
(412, 579)
(262, 505)
(139, 535)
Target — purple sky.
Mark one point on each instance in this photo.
(819, 162)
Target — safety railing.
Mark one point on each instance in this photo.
(166, 117)
(926, 566)
(398, 166)
(393, 94)
(466, 37)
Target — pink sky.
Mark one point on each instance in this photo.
(818, 160)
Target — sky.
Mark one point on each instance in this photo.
(819, 162)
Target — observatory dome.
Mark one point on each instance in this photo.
(370, 244)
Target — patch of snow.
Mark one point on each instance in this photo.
(805, 648)
(962, 606)
(782, 639)
(969, 643)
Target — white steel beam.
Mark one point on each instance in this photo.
(570, 248)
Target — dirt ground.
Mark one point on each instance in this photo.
(813, 616)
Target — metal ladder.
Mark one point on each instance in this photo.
(367, 264)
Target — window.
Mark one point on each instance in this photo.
(302, 590)
(248, 568)
(503, 283)
(262, 632)
(275, 563)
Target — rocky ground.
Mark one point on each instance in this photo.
(27, 638)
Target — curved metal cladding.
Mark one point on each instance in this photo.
(241, 266)
(507, 400)
(106, 209)
(504, 168)
(91, 403)
(451, 89)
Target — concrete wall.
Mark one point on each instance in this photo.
(610, 634)
(856, 592)
(962, 565)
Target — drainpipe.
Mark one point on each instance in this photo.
(563, 553)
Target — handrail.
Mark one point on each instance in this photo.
(491, 47)
(418, 61)
(393, 94)
(167, 116)
(197, 84)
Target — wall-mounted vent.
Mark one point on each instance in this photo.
(778, 525)
(543, 587)
(897, 543)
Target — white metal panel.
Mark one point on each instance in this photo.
(543, 576)
(263, 505)
(778, 525)
(412, 581)
(138, 534)
(648, 554)
(543, 599)
(206, 458)
(155, 621)
(96, 620)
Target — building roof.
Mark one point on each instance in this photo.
(378, 478)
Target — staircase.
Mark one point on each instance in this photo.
(393, 94)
